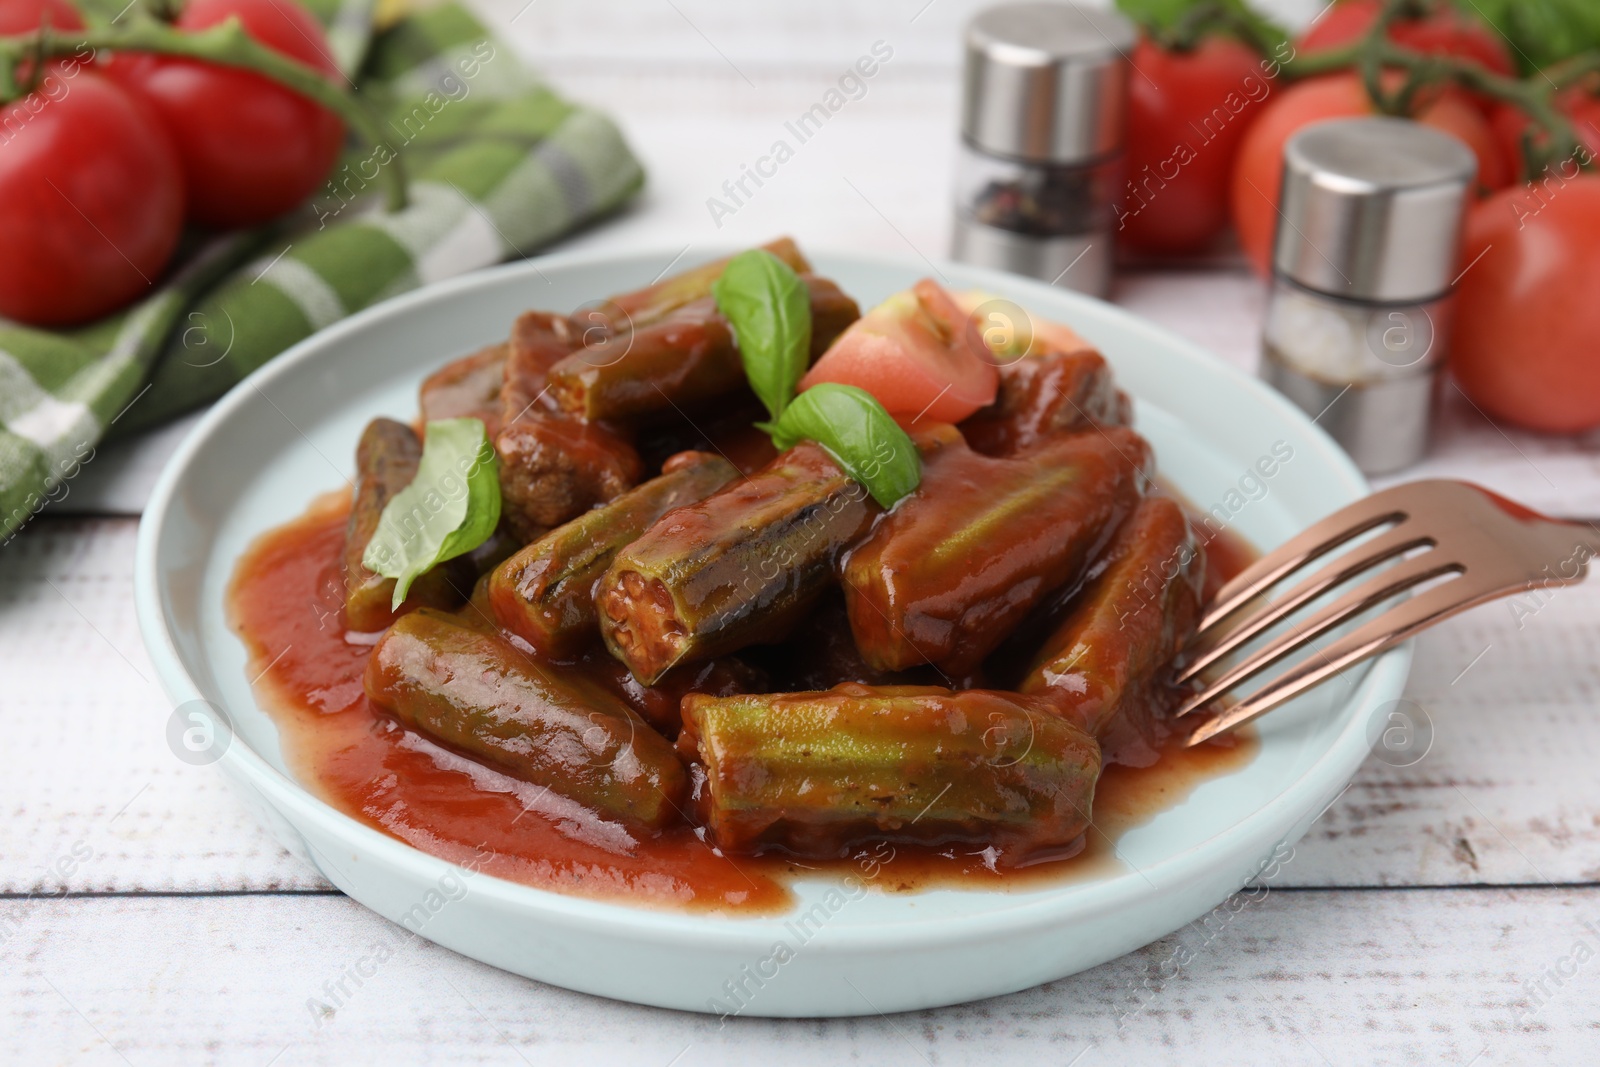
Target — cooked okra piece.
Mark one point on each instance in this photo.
(644, 306)
(475, 693)
(955, 566)
(729, 431)
(539, 340)
(681, 361)
(818, 773)
(467, 387)
(736, 569)
(1049, 393)
(553, 468)
(1106, 666)
(820, 653)
(832, 311)
(545, 593)
(386, 462)
(659, 704)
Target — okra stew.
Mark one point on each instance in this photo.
(722, 582)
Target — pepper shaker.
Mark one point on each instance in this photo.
(1365, 258)
(1044, 100)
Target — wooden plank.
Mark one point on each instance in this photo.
(1440, 976)
(1505, 795)
(86, 761)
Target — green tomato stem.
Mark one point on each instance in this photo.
(226, 44)
(1322, 61)
(1370, 50)
(1571, 70)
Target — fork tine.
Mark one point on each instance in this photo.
(1315, 541)
(1209, 647)
(1379, 588)
(1372, 637)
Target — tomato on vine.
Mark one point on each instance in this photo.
(1581, 108)
(1443, 31)
(1527, 321)
(25, 16)
(91, 201)
(251, 149)
(1188, 109)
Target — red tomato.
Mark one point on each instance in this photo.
(1575, 102)
(1444, 32)
(1453, 112)
(91, 201)
(991, 323)
(1187, 113)
(914, 353)
(1527, 321)
(25, 16)
(1259, 166)
(251, 149)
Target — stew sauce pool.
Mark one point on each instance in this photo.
(285, 603)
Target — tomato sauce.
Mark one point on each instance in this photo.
(1226, 555)
(285, 603)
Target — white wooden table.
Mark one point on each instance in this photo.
(1445, 912)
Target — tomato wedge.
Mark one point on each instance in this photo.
(1010, 332)
(915, 354)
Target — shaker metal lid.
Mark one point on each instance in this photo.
(1371, 209)
(1046, 82)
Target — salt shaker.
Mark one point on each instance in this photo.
(1043, 104)
(1358, 321)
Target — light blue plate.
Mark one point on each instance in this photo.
(289, 432)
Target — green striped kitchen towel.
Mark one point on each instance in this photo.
(499, 165)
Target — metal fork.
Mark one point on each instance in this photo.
(1483, 546)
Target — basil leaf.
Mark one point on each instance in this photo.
(450, 507)
(859, 434)
(769, 308)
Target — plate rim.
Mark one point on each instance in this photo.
(664, 925)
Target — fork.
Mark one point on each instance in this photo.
(1479, 545)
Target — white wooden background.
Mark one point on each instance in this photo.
(144, 919)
